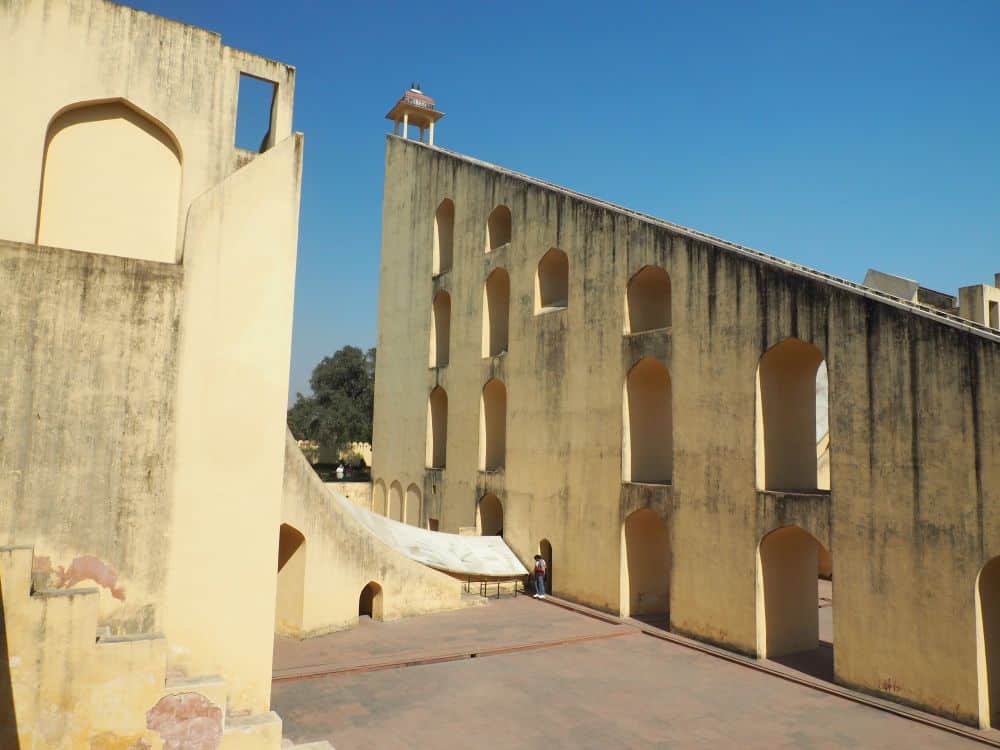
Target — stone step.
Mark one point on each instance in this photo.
(321, 745)
(256, 732)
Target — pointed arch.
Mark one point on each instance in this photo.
(437, 428)
(111, 182)
(987, 599)
(444, 233)
(370, 601)
(395, 508)
(378, 497)
(489, 516)
(498, 228)
(552, 282)
(648, 300)
(440, 330)
(786, 417)
(645, 566)
(647, 437)
(787, 611)
(496, 313)
(493, 426)
(411, 511)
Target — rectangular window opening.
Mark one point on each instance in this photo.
(994, 314)
(254, 107)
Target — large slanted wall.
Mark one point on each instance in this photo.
(914, 413)
(342, 557)
(88, 358)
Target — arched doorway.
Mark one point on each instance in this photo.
(290, 596)
(788, 446)
(788, 602)
(645, 573)
(370, 601)
(988, 643)
(545, 550)
(489, 516)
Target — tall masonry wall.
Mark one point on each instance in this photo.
(145, 362)
(913, 509)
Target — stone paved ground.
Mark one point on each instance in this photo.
(632, 691)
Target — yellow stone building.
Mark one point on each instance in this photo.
(637, 401)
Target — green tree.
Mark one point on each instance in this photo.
(339, 411)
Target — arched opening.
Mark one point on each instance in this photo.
(988, 643)
(647, 300)
(788, 447)
(378, 497)
(440, 329)
(489, 516)
(645, 571)
(498, 228)
(648, 450)
(111, 183)
(794, 623)
(370, 601)
(395, 510)
(444, 233)
(496, 313)
(411, 513)
(552, 282)
(437, 428)
(493, 426)
(290, 596)
(545, 550)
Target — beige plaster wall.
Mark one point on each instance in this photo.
(914, 421)
(239, 258)
(162, 408)
(342, 558)
(88, 363)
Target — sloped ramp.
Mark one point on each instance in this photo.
(468, 556)
(336, 560)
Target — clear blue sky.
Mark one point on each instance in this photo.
(841, 135)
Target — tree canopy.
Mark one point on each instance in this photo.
(339, 411)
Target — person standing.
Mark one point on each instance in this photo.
(539, 577)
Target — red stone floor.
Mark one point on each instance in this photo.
(619, 689)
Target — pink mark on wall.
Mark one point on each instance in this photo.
(186, 721)
(83, 568)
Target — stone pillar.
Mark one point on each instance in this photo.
(430, 142)
(406, 125)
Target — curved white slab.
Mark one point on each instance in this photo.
(486, 556)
